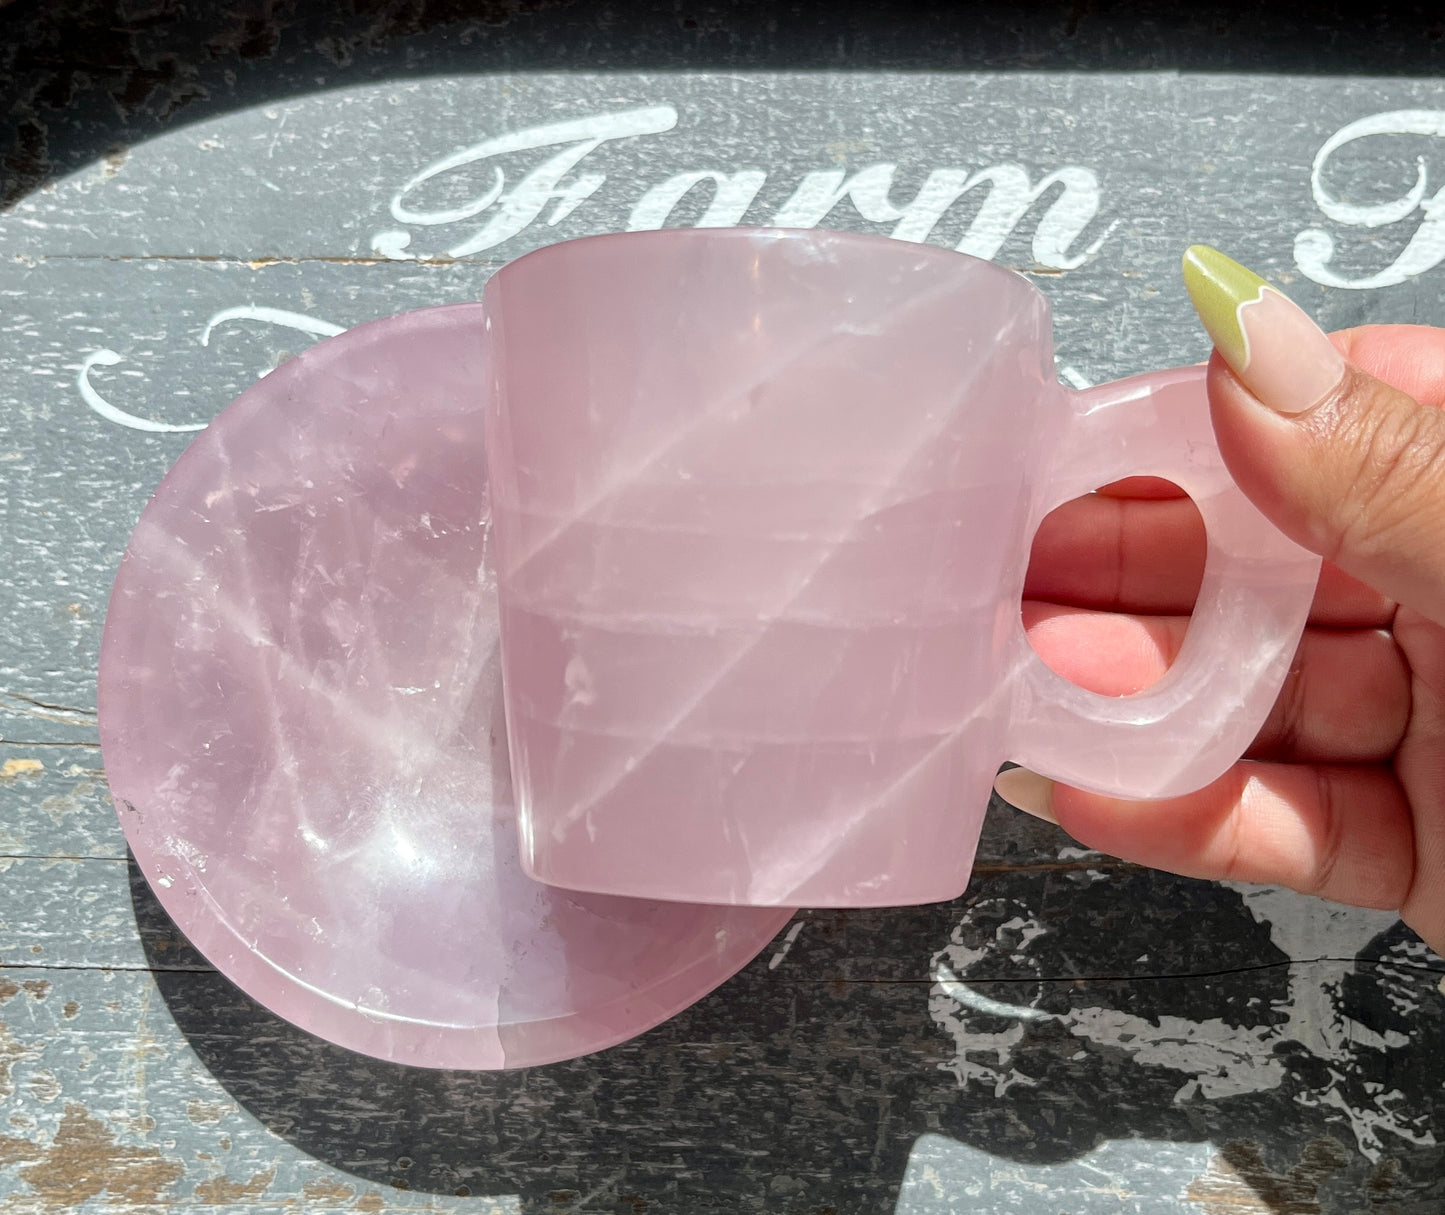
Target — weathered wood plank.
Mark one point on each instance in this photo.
(648, 128)
(1073, 1034)
(54, 802)
(106, 1108)
(79, 912)
(68, 913)
(832, 1092)
(83, 71)
(1240, 1027)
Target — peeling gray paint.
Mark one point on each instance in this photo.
(1073, 1034)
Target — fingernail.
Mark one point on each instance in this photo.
(1269, 342)
(1027, 791)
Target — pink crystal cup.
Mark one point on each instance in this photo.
(763, 503)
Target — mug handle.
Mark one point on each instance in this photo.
(1191, 726)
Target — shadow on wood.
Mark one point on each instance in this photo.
(84, 79)
(806, 1085)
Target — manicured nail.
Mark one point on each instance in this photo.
(1269, 342)
(1027, 791)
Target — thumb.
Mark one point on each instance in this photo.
(1339, 461)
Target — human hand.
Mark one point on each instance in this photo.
(1342, 794)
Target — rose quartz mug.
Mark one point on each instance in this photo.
(763, 502)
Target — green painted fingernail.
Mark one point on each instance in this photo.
(1219, 286)
(1278, 353)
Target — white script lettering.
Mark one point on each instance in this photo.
(524, 202)
(733, 194)
(1009, 195)
(1314, 248)
(106, 357)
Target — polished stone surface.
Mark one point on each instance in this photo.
(1197, 1053)
(301, 718)
(763, 502)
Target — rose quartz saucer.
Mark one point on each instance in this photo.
(301, 719)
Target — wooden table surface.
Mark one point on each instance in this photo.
(195, 194)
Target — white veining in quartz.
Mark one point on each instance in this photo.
(762, 507)
(302, 722)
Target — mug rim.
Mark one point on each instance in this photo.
(940, 253)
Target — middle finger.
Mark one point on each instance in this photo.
(1146, 554)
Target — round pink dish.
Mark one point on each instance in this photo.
(301, 719)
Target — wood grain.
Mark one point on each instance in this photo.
(1073, 1034)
